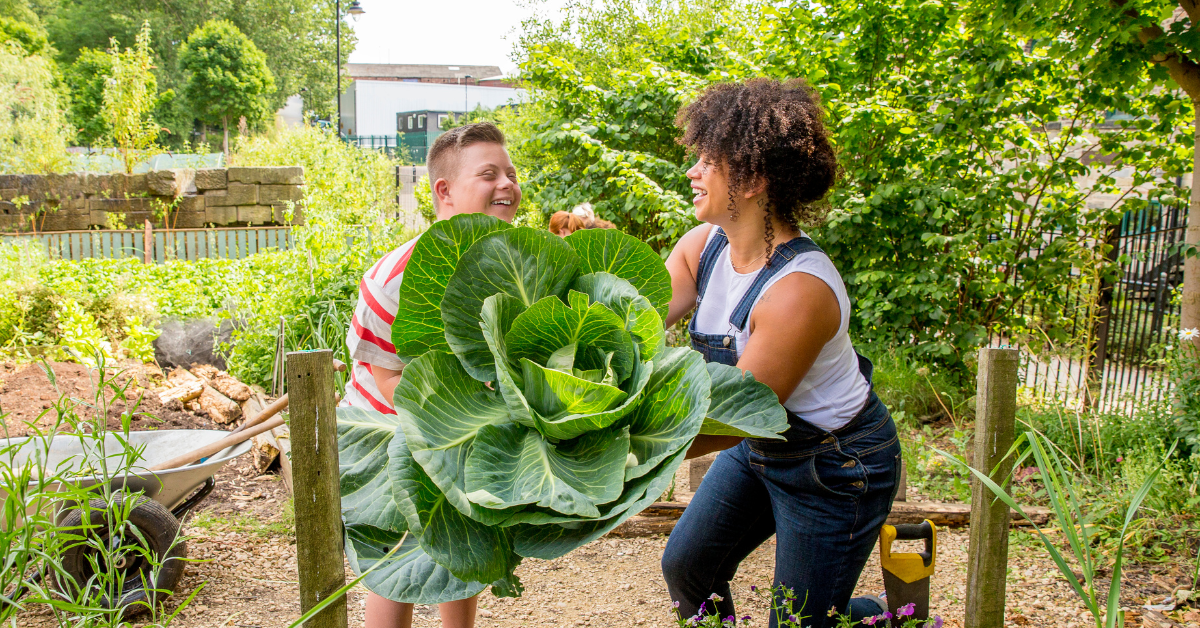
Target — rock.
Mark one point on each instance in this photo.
(184, 343)
(220, 409)
(211, 179)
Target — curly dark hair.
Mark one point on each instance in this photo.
(769, 129)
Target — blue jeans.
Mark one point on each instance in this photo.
(823, 495)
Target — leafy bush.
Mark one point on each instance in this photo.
(33, 130)
(344, 184)
(539, 409)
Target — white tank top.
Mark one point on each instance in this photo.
(834, 390)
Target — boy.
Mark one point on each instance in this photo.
(469, 173)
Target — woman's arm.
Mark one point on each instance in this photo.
(682, 264)
(789, 327)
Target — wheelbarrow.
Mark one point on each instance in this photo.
(155, 501)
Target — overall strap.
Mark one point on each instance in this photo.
(780, 257)
(708, 261)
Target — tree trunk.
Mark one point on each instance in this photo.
(225, 142)
(1190, 315)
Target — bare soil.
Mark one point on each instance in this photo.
(242, 546)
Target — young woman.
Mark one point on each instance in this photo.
(770, 302)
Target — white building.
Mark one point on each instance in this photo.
(379, 93)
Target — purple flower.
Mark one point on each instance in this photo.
(676, 604)
(887, 615)
(937, 621)
(748, 618)
(907, 609)
(716, 598)
(753, 588)
(870, 621)
(1120, 459)
(792, 618)
(730, 618)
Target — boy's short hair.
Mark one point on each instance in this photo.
(442, 161)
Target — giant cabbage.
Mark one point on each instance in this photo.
(539, 408)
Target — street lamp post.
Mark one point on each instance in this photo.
(466, 107)
(355, 8)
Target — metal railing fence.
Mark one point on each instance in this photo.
(162, 245)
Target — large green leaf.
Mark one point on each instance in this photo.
(595, 330)
(441, 409)
(573, 425)
(512, 465)
(528, 264)
(496, 318)
(441, 528)
(554, 394)
(418, 325)
(742, 406)
(672, 409)
(610, 251)
(363, 438)
(641, 319)
(409, 575)
(556, 539)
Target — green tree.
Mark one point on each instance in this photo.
(30, 38)
(1114, 44)
(130, 96)
(297, 37)
(228, 77)
(87, 78)
(33, 136)
(972, 199)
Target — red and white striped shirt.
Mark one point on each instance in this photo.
(370, 335)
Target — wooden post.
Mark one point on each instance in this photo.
(995, 424)
(317, 500)
(148, 243)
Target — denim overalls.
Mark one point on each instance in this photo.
(824, 495)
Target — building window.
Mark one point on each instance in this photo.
(442, 120)
(421, 121)
(410, 123)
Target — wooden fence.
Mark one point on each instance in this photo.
(150, 245)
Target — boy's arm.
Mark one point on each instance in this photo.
(386, 380)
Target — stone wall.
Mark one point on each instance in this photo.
(219, 197)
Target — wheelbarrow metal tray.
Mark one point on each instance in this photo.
(169, 488)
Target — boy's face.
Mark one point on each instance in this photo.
(486, 183)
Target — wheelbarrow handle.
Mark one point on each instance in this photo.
(214, 447)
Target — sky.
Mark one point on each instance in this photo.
(483, 31)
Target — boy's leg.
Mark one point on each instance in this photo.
(384, 613)
(459, 613)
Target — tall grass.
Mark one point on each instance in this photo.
(67, 541)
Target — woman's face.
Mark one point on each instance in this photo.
(711, 188)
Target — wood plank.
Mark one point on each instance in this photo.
(659, 517)
(318, 498)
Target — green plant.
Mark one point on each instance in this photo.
(1076, 525)
(228, 77)
(33, 132)
(539, 408)
(70, 546)
(424, 198)
(1183, 369)
(130, 95)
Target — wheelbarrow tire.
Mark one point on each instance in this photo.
(157, 526)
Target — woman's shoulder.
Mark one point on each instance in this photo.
(691, 245)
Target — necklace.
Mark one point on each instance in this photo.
(749, 263)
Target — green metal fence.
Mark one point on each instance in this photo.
(174, 244)
(410, 146)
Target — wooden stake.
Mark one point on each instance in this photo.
(148, 243)
(317, 500)
(995, 424)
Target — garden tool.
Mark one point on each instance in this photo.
(906, 575)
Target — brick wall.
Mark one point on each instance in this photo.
(217, 196)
